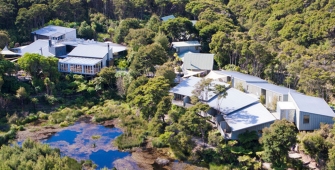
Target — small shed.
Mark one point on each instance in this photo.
(186, 46)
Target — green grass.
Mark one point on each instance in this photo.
(96, 137)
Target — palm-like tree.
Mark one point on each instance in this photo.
(221, 91)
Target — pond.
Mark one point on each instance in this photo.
(76, 142)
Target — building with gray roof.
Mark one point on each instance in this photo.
(54, 33)
(198, 61)
(186, 46)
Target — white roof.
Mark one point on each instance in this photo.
(314, 105)
(80, 61)
(245, 77)
(286, 105)
(39, 46)
(52, 30)
(234, 100)
(272, 87)
(186, 87)
(214, 74)
(189, 73)
(116, 47)
(253, 115)
(89, 50)
(5, 51)
(186, 44)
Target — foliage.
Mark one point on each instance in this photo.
(262, 99)
(277, 141)
(109, 110)
(123, 29)
(66, 114)
(34, 155)
(167, 71)
(177, 28)
(214, 138)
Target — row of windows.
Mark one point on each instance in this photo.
(75, 68)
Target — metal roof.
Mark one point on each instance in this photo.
(286, 105)
(89, 50)
(181, 55)
(245, 77)
(51, 30)
(116, 47)
(253, 115)
(186, 44)
(314, 105)
(198, 61)
(186, 87)
(39, 46)
(272, 87)
(165, 18)
(234, 100)
(80, 61)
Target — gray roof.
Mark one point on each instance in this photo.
(186, 44)
(5, 51)
(272, 87)
(165, 18)
(80, 60)
(314, 105)
(253, 115)
(36, 47)
(52, 30)
(181, 55)
(186, 87)
(234, 100)
(245, 77)
(90, 51)
(198, 61)
(116, 47)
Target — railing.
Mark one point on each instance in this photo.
(181, 103)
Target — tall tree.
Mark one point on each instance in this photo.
(277, 141)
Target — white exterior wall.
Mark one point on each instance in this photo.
(71, 35)
(185, 49)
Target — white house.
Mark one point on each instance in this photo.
(54, 33)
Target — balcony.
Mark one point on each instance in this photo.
(181, 103)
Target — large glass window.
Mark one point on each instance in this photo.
(306, 119)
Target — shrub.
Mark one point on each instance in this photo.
(128, 142)
(262, 99)
(42, 115)
(64, 124)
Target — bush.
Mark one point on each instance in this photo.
(42, 115)
(128, 142)
(50, 99)
(64, 124)
(66, 114)
(262, 99)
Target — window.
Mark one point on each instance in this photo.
(306, 119)
(279, 98)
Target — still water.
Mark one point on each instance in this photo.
(76, 142)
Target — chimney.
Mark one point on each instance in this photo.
(107, 63)
(35, 36)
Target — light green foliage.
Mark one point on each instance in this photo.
(108, 76)
(35, 156)
(109, 110)
(4, 38)
(85, 31)
(153, 23)
(315, 145)
(66, 114)
(202, 89)
(167, 71)
(147, 96)
(146, 58)
(214, 138)
(262, 99)
(277, 141)
(162, 40)
(139, 37)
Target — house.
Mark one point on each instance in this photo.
(235, 114)
(54, 33)
(186, 46)
(165, 18)
(86, 59)
(197, 63)
(42, 47)
(306, 112)
(241, 111)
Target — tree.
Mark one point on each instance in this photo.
(34, 101)
(4, 38)
(177, 28)
(277, 141)
(85, 31)
(163, 107)
(139, 37)
(48, 85)
(21, 94)
(167, 71)
(146, 58)
(315, 145)
(146, 97)
(202, 88)
(123, 29)
(162, 40)
(221, 92)
(108, 76)
(153, 23)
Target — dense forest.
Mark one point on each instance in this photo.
(290, 43)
